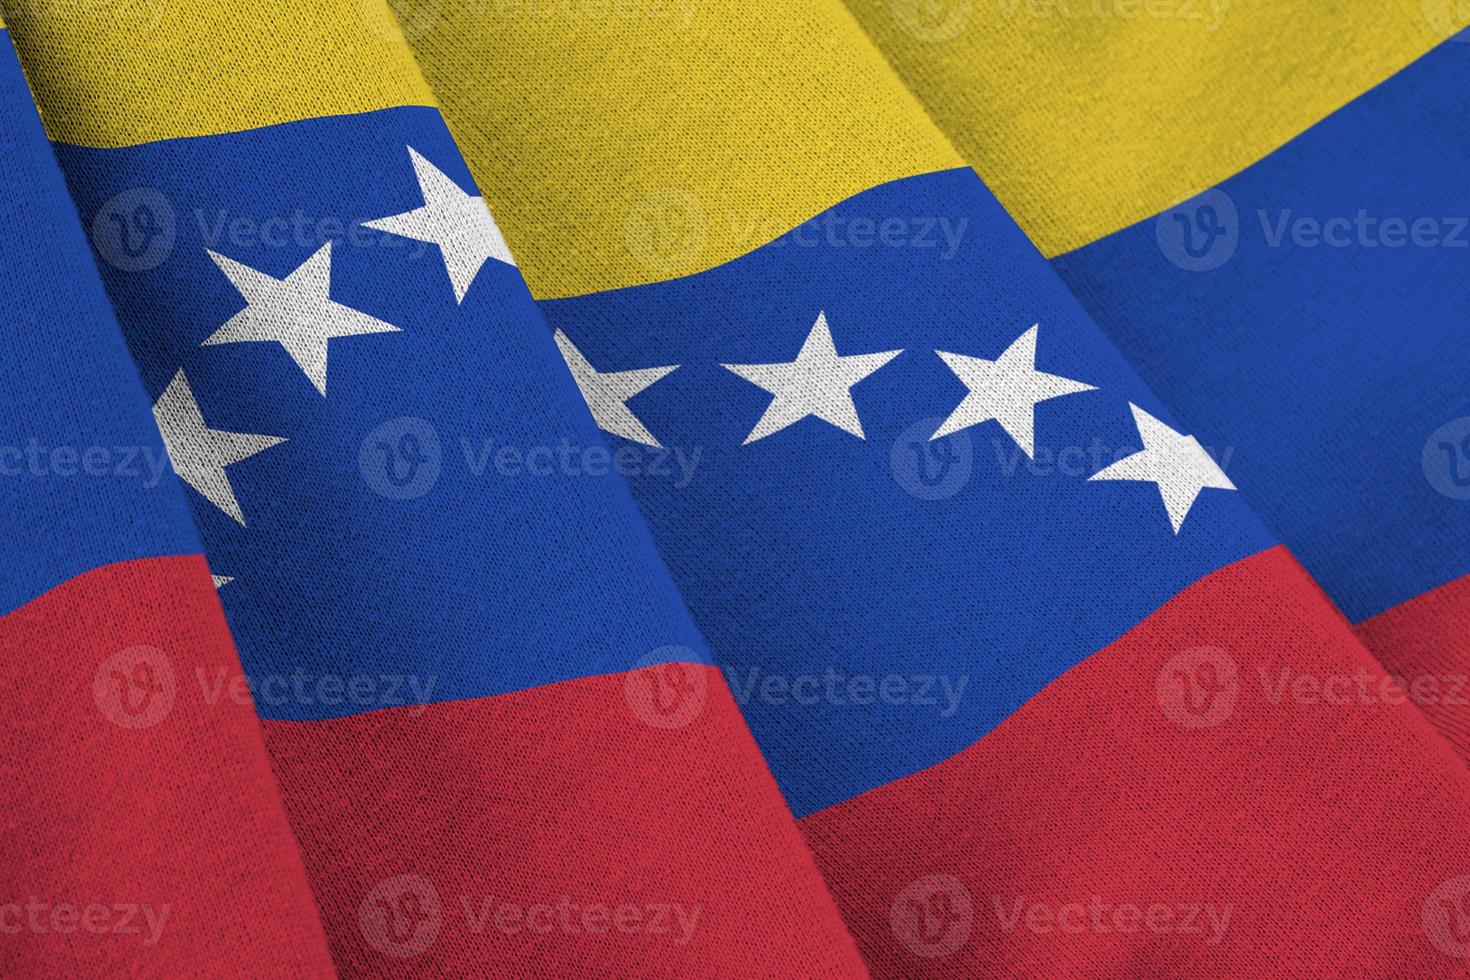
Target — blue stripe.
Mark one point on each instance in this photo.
(1324, 329)
(811, 558)
(83, 478)
(475, 581)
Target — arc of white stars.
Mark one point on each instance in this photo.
(296, 312)
(607, 392)
(200, 454)
(1176, 462)
(458, 222)
(819, 382)
(1006, 390)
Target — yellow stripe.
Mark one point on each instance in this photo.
(1084, 116)
(130, 71)
(629, 141)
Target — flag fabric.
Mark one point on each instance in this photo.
(467, 659)
(129, 839)
(674, 520)
(1279, 249)
(1078, 585)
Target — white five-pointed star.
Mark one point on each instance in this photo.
(459, 223)
(607, 392)
(1177, 463)
(220, 581)
(819, 382)
(295, 312)
(200, 454)
(1006, 390)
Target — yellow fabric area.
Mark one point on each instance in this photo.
(629, 141)
(1085, 116)
(125, 72)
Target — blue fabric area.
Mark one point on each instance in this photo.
(881, 603)
(83, 476)
(1318, 317)
(392, 542)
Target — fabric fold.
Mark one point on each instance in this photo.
(926, 469)
(498, 735)
(144, 831)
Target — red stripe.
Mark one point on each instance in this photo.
(1186, 771)
(1426, 643)
(142, 830)
(594, 827)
